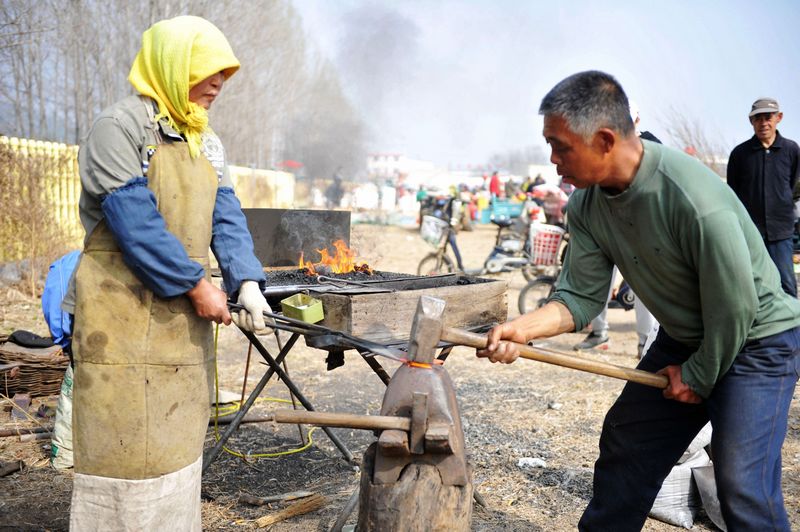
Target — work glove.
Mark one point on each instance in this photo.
(251, 317)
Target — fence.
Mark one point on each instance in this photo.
(263, 188)
(40, 188)
(39, 197)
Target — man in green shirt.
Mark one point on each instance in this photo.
(729, 338)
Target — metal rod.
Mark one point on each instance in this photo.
(377, 368)
(212, 454)
(246, 371)
(444, 353)
(306, 328)
(288, 382)
(324, 279)
(291, 395)
(351, 504)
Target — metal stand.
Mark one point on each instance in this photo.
(274, 367)
(320, 342)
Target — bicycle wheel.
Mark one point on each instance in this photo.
(535, 293)
(529, 272)
(434, 263)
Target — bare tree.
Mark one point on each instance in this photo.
(271, 84)
(23, 33)
(691, 136)
(63, 61)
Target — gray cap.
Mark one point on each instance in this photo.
(764, 105)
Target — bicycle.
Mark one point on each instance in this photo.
(547, 253)
(537, 292)
(511, 250)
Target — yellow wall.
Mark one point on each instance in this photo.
(254, 187)
(263, 188)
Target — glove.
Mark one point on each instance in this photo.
(251, 318)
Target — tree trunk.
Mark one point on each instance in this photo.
(417, 502)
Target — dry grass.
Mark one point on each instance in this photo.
(523, 410)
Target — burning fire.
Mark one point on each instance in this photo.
(341, 262)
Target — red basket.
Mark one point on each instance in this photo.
(545, 244)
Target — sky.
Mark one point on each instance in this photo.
(454, 81)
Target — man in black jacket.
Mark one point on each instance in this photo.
(763, 171)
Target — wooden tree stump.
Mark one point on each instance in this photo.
(418, 502)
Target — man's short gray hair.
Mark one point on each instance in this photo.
(588, 101)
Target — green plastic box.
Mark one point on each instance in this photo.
(303, 307)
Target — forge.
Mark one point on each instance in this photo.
(380, 306)
(374, 305)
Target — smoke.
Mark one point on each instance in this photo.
(377, 54)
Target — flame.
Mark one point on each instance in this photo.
(341, 262)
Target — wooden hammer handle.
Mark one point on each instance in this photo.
(479, 341)
(335, 419)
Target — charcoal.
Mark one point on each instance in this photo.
(293, 277)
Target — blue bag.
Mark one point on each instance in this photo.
(55, 288)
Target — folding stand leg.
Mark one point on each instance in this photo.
(445, 352)
(377, 368)
(274, 365)
(291, 396)
(211, 455)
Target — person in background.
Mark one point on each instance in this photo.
(156, 194)
(763, 172)
(510, 189)
(494, 186)
(729, 342)
(335, 192)
(527, 185)
(645, 323)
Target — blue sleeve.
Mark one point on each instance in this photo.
(153, 254)
(232, 244)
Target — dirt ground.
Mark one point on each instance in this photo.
(527, 409)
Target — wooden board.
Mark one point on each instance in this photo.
(386, 318)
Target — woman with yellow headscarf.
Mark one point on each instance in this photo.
(156, 194)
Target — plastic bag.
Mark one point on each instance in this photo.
(61, 443)
(678, 501)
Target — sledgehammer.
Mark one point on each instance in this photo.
(479, 341)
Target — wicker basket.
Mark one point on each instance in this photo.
(39, 375)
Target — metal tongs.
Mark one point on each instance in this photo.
(292, 325)
(340, 283)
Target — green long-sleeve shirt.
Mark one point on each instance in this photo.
(689, 251)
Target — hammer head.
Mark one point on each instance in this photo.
(426, 329)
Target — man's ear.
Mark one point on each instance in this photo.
(779, 117)
(604, 140)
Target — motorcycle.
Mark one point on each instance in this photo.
(512, 242)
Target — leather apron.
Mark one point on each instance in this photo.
(142, 363)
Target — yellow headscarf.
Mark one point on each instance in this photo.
(177, 54)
